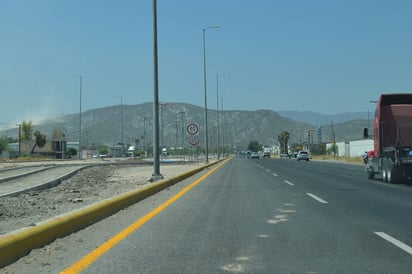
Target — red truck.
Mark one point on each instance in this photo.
(391, 158)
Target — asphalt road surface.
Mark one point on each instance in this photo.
(253, 216)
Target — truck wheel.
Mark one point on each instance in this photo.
(390, 172)
(384, 170)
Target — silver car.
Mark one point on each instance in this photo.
(303, 155)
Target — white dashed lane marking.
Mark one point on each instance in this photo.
(395, 242)
(289, 183)
(320, 200)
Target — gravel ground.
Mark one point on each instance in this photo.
(88, 186)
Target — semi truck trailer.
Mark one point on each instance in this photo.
(391, 158)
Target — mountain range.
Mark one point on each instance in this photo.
(134, 123)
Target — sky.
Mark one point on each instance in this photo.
(326, 56)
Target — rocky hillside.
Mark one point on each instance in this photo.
(105, 126)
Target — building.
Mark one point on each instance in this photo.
(352, 148)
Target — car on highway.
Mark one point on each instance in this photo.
(266, 152)
(302, 155)
(254, 155)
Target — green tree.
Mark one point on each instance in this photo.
(3, 144)
(254, 146)
(71, 151)
(103, 150)
(40, 140)
(333, 150)
(26, 130)
(283, 139)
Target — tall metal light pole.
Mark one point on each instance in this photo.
(144, 135)
(182, 113)
(217, 109)
(156, 159)
(309, 131)
(205, 91)
(162, 144)
(223, 127)
(80, 115)
(121, 122)
(19, 139)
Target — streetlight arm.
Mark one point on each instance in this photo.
(212, 27)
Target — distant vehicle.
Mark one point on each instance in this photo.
(391, 157)
(266, 152)
(294, 155)
(302, 155)
(254, 155)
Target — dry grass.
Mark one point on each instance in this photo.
(27, 159)
(353, 160)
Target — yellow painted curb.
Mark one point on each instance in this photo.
(19, 243)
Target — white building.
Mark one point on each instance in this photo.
(352, 148)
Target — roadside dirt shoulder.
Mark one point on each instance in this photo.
(88, 186)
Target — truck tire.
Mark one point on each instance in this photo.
(384, 170)
(390, 171)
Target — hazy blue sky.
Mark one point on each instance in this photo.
(324, 56)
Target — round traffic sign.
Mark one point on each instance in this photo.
(194, 141)
(192, 129)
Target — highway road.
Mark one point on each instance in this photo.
(254, 216)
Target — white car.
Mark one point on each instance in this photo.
(303, 155)
(254, 155)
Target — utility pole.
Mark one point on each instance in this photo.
(19, 139)
(80, 115)
(156, 160)
(144, 135)
(333, 137)
(182, 113)
(162, 144)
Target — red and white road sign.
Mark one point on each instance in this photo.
(192, 129)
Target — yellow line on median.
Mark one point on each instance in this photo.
(90, 258)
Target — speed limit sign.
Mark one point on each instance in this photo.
(192, 129)
(192, 132)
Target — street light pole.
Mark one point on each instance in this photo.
(223, 128)
(205, 90)
(121, 120)
(182, 113)
(19, 139)
(144, 136)
(162, 144)
(80, 115)
(156, 160)
(217, 109)
(217, 115)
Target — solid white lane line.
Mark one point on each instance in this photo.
(289, 183)
(274, 174)
(394, 241)
(320, 200)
